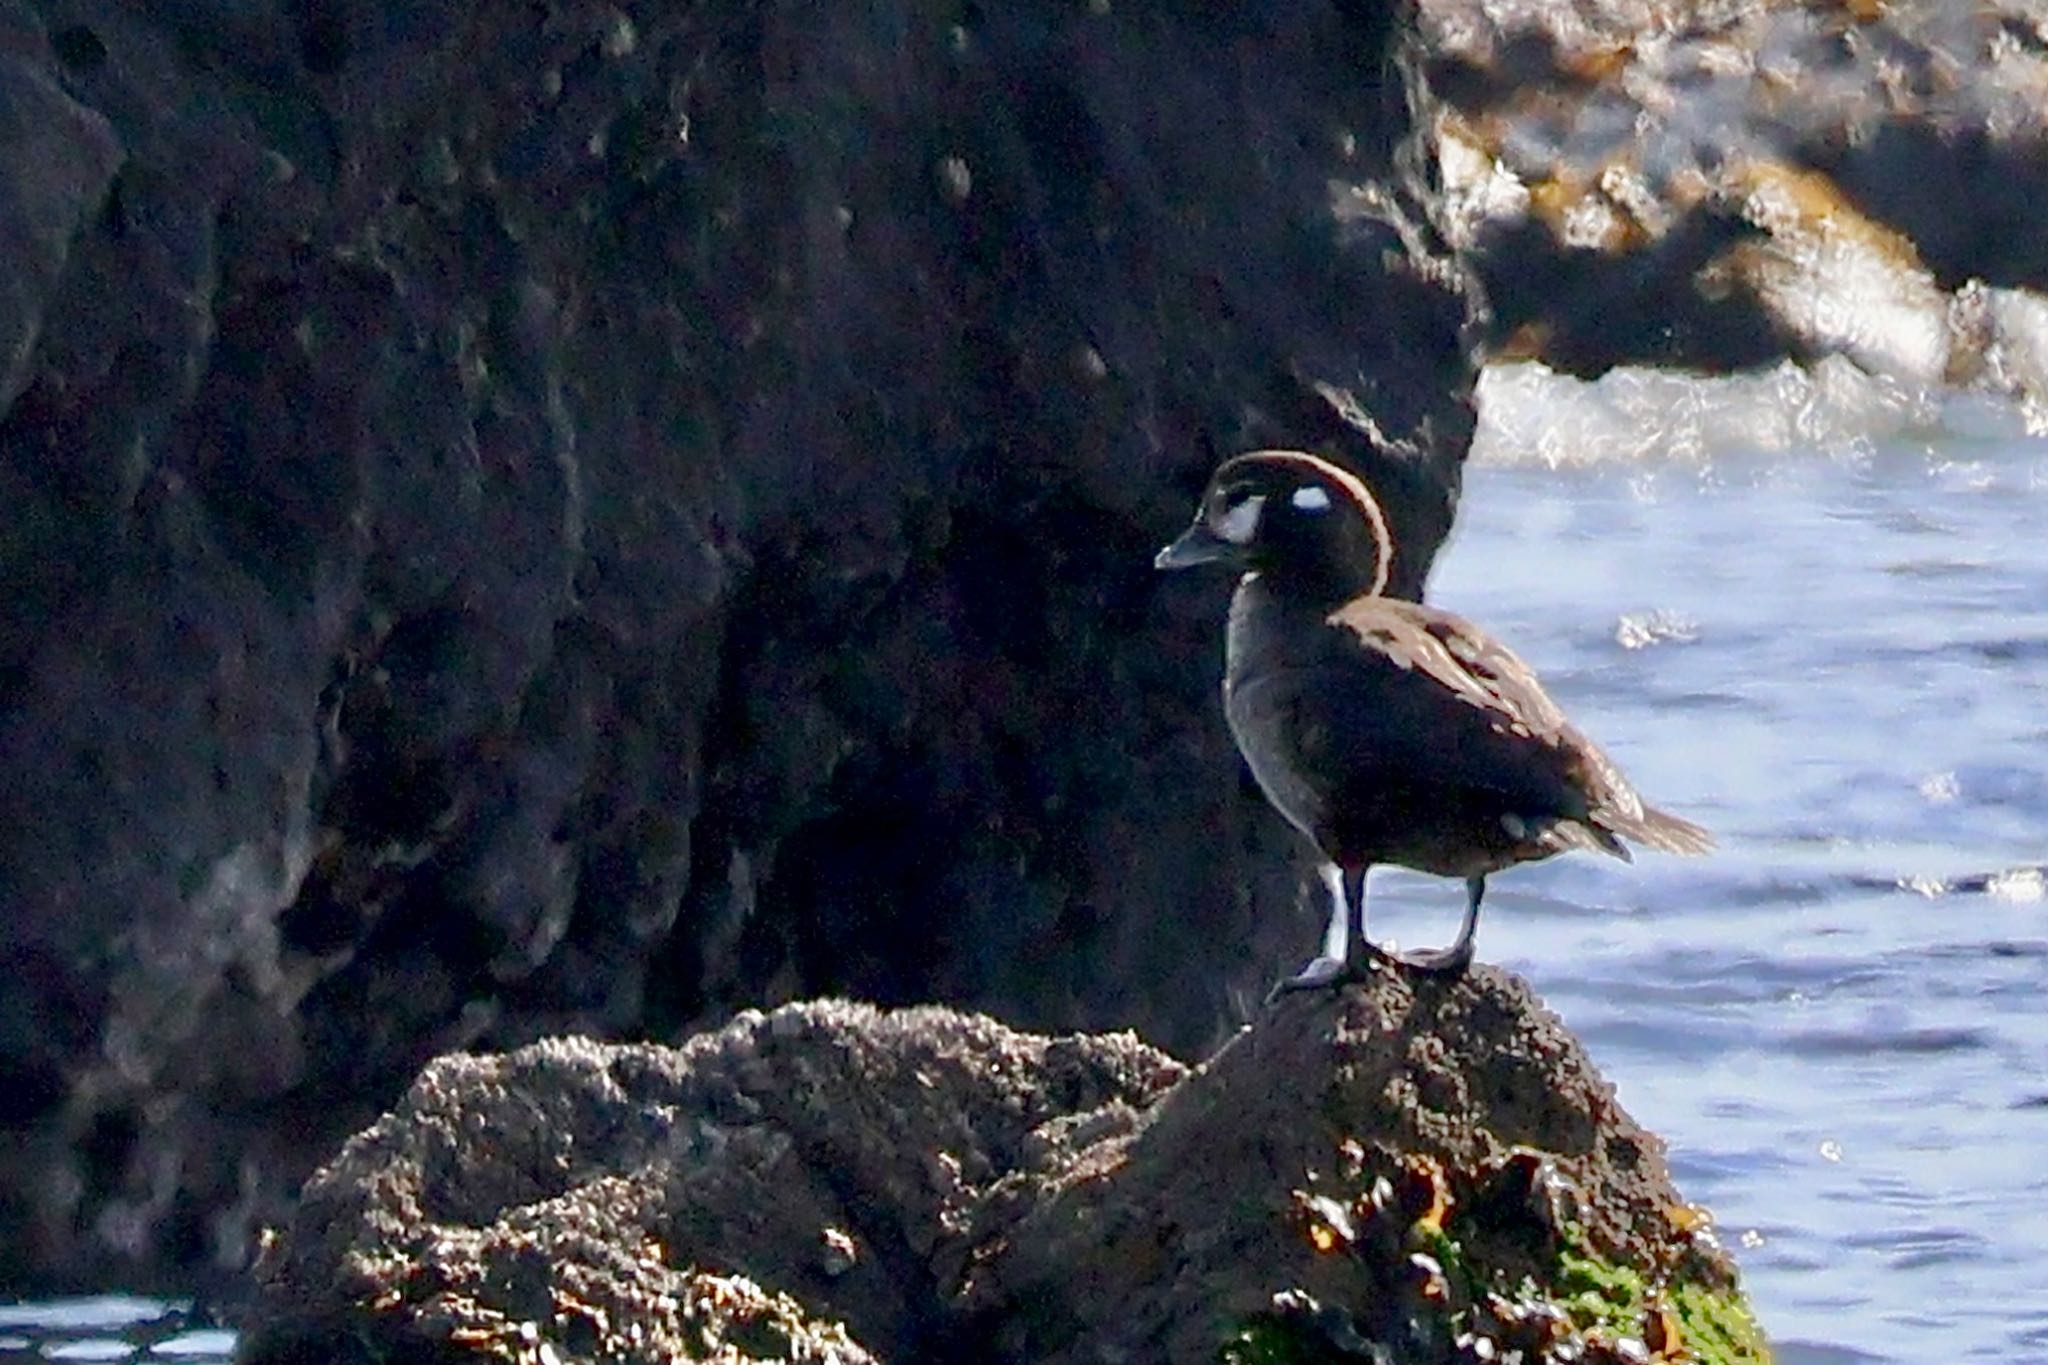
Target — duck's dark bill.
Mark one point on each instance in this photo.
(1195, 546)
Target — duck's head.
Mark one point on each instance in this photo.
(1307, 523)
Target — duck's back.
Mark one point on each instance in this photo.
(1392, 732)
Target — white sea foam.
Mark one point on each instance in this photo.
(1940, 789)
(93, 1312)
(1530, 414)
(2022, 885)
(1641, 629)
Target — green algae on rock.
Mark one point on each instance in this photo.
(1401, 1171)
(1443, 1292)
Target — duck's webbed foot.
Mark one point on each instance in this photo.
(1346, 955)
(1456, 958)
(1436, 961)
(1325, 973)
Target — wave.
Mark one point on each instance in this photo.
(1530, 414)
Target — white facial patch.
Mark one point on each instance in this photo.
(1241, 522)
(1310, 498)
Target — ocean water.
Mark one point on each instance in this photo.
(111, 1327)
(1811, 611)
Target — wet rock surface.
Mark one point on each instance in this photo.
(1719, 185)
(590, 516)
(925, 1185)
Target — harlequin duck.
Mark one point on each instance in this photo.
(1387, 731)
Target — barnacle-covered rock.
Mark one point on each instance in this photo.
(1415, 1170)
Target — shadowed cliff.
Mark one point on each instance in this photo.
(586, 517)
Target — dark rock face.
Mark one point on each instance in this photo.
(575, 516)
(922, 1185)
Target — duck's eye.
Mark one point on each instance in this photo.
(1240, 519)
(1310, 498)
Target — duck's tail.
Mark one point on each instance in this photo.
(1662, 830)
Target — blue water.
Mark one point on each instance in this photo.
(1812, 614)
(111, 1327)
(1834, 653)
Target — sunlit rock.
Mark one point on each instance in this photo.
(1718, 185)
(1416, 1169)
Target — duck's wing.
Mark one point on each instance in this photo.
(1469, 664)
(1461, 659)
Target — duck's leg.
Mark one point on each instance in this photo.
(1358, 953)
(1338, 932)
(1458, 956)
(1346, 954)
